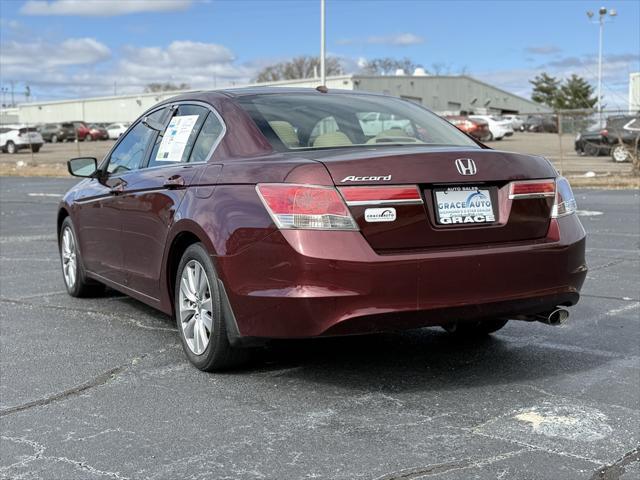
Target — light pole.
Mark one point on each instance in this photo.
(323, 71)
(602, 15)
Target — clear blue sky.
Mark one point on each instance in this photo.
(81, 47)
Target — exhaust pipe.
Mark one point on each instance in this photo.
(556, 317)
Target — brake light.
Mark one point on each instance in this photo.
(381, 195)
(532, 189)
(305, 207)
(565, 203)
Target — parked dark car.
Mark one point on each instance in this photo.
(619, 138)
(475, 127)
(98, 132)
(264, 213)
(58, 132)
(541, 123)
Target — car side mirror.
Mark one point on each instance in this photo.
(157, 126)
(85, 167)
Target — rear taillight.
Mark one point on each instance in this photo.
(306, 207)
(565, 203)
(532, 189)
(397, 194)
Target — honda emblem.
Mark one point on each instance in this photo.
(466, 166)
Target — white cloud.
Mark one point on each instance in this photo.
(101, 8)
(543, 49)
(80, 67)
(41, 56)
(397, 40)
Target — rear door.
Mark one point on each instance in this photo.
(151, 196)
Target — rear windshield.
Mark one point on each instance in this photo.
(313, 121)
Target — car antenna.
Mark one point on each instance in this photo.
(322, 89)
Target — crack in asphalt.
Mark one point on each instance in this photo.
(438, 468)
(616, 469)
(39, 455)
(28, 238)
(96, 381)
(119, 316)
(612, 263)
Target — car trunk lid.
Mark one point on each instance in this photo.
(421, 223)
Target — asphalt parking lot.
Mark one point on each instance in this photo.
(99, 388)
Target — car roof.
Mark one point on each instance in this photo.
(206, 95)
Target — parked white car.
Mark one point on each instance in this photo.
(499, 128)
(517, 123)
(116, 129)
(19, 137)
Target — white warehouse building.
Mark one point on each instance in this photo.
(442, 94)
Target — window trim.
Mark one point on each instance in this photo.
(171, 106)
(213, 147)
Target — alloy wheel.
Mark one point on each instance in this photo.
(620, 154)
(69, 257)
(195, 307)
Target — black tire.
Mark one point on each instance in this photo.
(490, 137)
(10, 147)
(478, 328)
(218, 355)
(54, 138)
(82, 286)
(591, 150)
(35, 148)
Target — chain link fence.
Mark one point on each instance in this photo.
(609, 136)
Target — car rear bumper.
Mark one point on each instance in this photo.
(296, 284)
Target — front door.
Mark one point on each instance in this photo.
(99, 213)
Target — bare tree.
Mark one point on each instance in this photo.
(165, 87)
(388, 66)
(299, 67)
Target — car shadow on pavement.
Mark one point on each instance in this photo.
(418, 360)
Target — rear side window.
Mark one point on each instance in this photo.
(177, 141)
(210, 133)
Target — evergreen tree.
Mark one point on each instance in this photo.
(545, 89)
(576, 93)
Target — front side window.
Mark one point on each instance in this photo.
(311, 121)
(129, 153)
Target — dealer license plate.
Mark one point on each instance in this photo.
(464, 205)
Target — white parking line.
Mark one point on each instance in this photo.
(589, 213)
(38, 194)
(626, 308)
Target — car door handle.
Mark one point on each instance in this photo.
(173, 182)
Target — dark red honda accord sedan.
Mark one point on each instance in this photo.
(255, 214)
